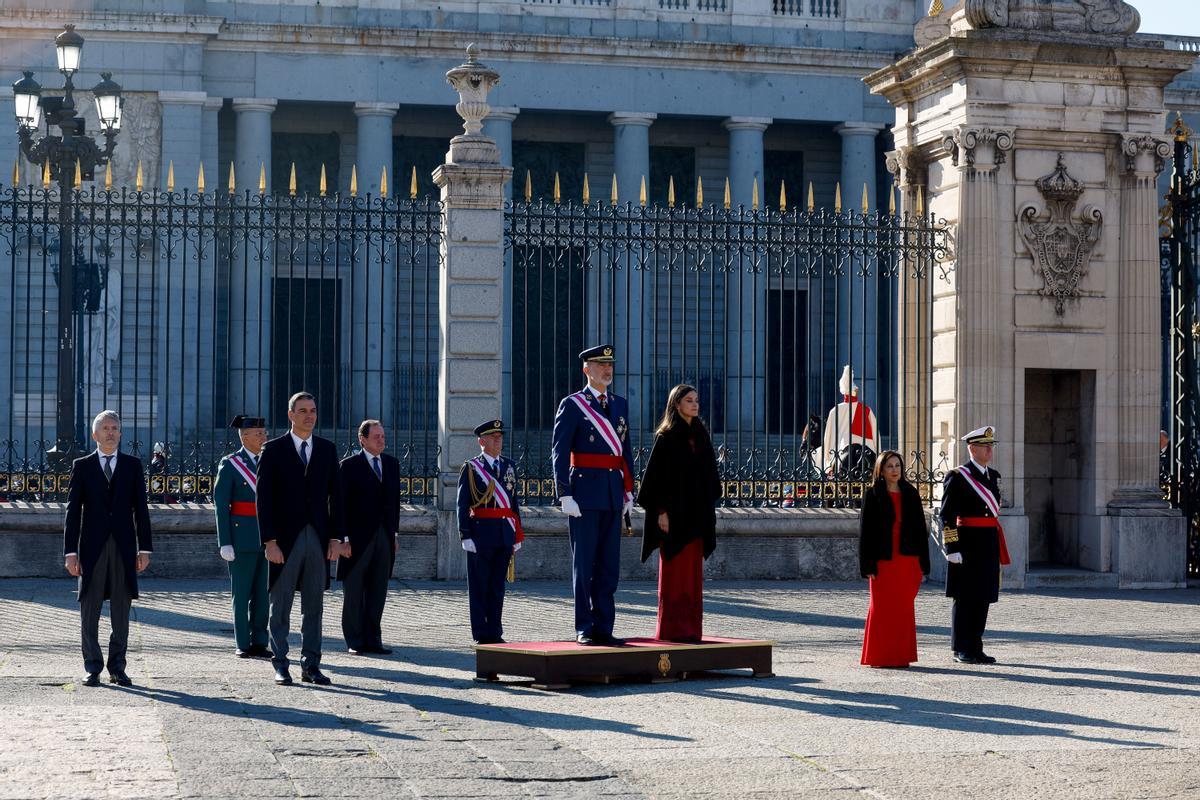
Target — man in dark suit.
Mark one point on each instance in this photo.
(593, 473)
(371, 492)
(975, 547)
(106, 542)
(489, 521)
(299, 523)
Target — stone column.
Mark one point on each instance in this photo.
(857, 340)
(624, 286)
(746, 287)
(374, 153)
(1139, 323)
(208, 143)
(251, 273)
(469, 295)
(498, 126)
(178, 285)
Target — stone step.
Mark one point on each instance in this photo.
(1069, 578)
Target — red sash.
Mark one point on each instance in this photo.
(505, 511)
(985, 522)
(243, 508)
(609, 434)
(244, 470)
(860, 423)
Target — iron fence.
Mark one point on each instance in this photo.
(191, 307)
(761, 310)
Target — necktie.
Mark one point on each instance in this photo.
(304, 453)
(378, 470)
(108, 467)
(495, 467)
(604, 402)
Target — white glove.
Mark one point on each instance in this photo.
(625, 509)
(570, 507)
(227, 552)
(516, 546)
(469, 545)
(954, 558)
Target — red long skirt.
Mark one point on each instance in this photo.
(890, 639)
(681, 594)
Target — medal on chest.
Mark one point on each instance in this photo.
(510, 483)
(621, 428)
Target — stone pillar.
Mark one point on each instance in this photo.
(469, 295)
(498, 126)
(251, 273)
(209, 156)
(178, 285)
(857, 340)
(374, 153)
(632, 289)
(746, 287)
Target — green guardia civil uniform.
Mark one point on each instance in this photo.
(237, 525)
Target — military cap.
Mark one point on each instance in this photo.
(601, 352)
(491, 426)
(984, 435)
(242, 421)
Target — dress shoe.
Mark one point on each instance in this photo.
(282, 676)
(585, 639)
(243, 653)
(983, 658)
(608, 640)
(259, 651)
(119, 678)
(91, 679)
(314, 676)
(380, 651)
(965, 658)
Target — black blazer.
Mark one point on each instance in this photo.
(98, 509)
(290, 497)
(875, 528)
(370, 503)
(686, 484)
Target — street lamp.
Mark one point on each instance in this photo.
(70, 156)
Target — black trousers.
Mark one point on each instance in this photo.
(968, 618)
(487, 569)
(364, 591)
(108, 577)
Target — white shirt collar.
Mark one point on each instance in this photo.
(371, 458)
(595, 392)
(982, 469)
(296, 440)
(102, 455)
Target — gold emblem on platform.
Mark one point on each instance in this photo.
(664, 664)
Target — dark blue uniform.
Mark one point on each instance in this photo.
(975, 583)
(493, 538)
(600, 493)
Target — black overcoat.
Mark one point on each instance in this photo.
(681, 478)
(370, 504)
(978, 577)
(98, 509)
(875, 527)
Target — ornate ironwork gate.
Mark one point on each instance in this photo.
(1181, 327)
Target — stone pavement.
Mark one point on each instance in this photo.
(1097, 696)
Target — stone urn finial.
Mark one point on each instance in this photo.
(472, 80)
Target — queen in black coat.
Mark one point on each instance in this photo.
(681, 485)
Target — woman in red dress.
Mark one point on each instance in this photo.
(893, 554)
(680, 489)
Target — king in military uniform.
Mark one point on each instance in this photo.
(593, 475)
(237, 537)
(489, 521)
(975, 547)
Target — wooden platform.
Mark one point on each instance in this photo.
(556, 665)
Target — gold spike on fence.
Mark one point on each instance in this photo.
(892, 200)
(46, 174)
(866, 205)
(108, 177)
(557, 190)
(920, 202)
(587, 192)
(292, 181)
(139, 181)
(754, 196)
(782, 198)
(412, 186)
(699, 192)
(324, 186)
(16, 181)
(78, 174)
(671, 191)
(528, 187)
(354, 180)
(614, 189)
(232, 182)
(199, 179)
(811, 204)
(383, 183)
(837, 198)
(171, 176)
(262, 178)
(728, 202)
(642, 193)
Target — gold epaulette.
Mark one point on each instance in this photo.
(949, 535)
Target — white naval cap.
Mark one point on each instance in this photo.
(984, 435)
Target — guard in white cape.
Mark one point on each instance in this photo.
(234, 497)
(974, 545)
(851, 433)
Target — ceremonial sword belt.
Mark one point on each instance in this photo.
(601, 461)
(243, 508)
(988, 522)
(499, 513)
